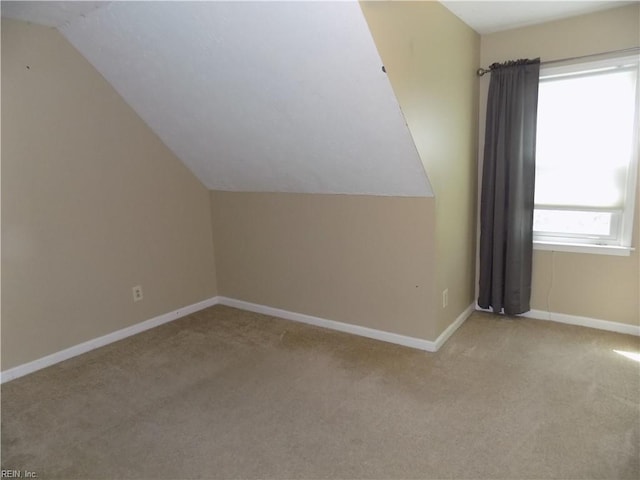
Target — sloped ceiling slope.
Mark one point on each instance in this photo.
(259, 96)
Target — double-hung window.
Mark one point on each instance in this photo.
(587, 156)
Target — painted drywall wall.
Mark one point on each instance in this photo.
(431, 57)
(258, 96)
(587, 285)
(93, 203)
(378, 262)
(364, 260)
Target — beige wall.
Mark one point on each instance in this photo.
(92, 204)
(378, 262)
(595, 286)
(362, 260)
(431, 57)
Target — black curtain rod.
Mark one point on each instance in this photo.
(481, 71)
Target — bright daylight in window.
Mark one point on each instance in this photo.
(586, 155)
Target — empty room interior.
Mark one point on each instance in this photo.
(303, 239)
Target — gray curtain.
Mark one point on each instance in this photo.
(506, 210)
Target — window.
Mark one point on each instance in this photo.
(586, 156)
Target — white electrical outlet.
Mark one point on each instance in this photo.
(445, 298)
(137, 293)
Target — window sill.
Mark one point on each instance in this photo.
(583, 248)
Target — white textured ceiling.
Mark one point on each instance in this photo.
(267, 96)
(255, 96)
(51, 14)
(493, 16)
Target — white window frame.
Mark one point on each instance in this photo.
(622, 220)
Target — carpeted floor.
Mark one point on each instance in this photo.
(230, 394)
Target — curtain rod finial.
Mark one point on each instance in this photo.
(481, 71)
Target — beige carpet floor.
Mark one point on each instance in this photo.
(229, 394)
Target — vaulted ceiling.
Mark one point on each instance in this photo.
(267, 96)
(253, 96)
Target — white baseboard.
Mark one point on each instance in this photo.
(444, 336)
(89, 345)
(413, 342)
(576, 320)
(418, 343)
(584, 322)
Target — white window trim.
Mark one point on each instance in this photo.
(583, 248)
(627, 217)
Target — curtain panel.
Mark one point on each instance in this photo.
(508, 178)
